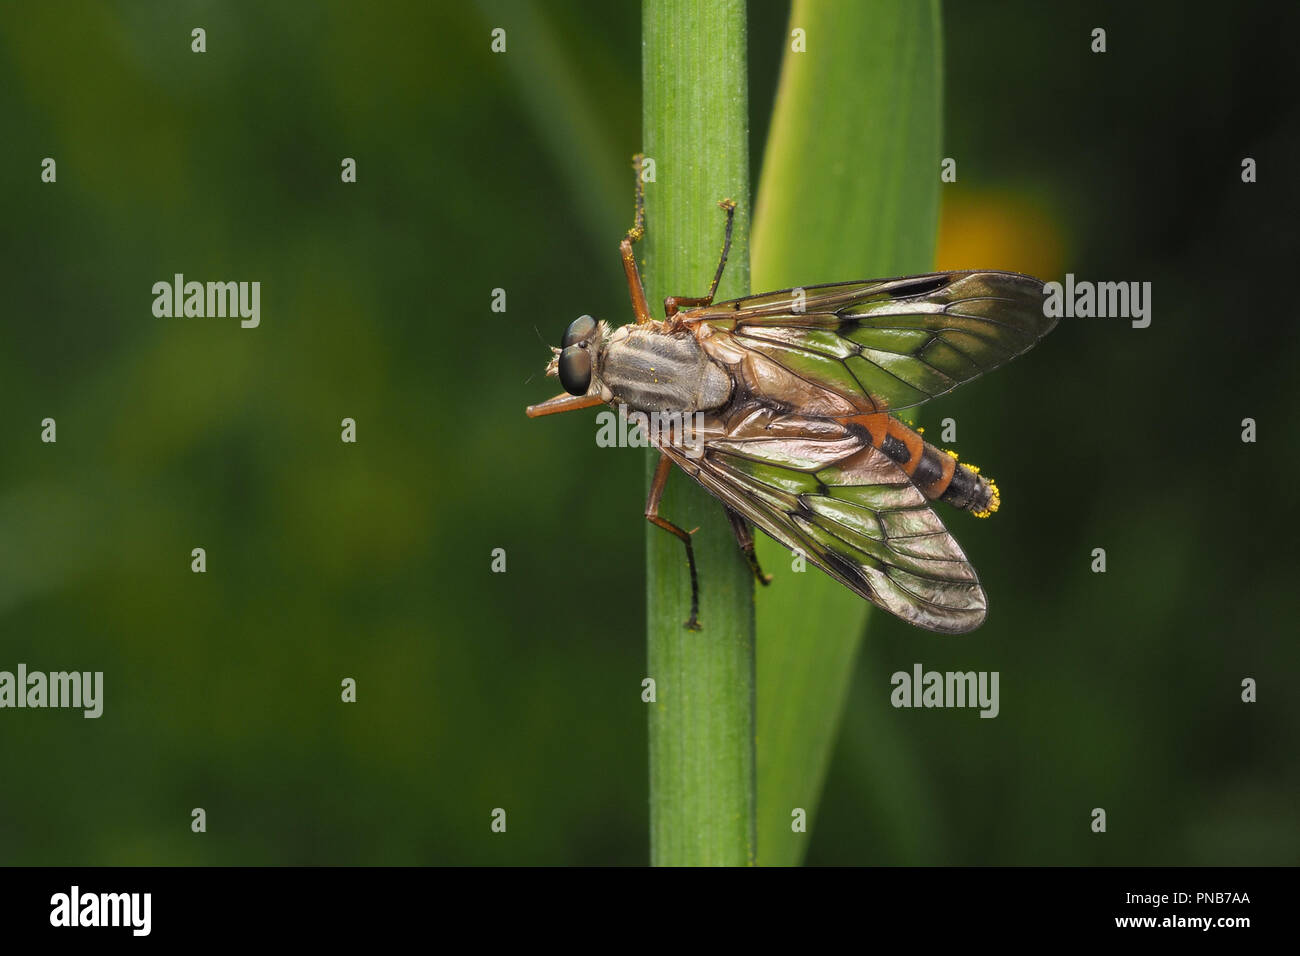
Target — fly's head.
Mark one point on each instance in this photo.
(577, 362)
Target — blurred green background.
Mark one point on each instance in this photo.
(522, 690)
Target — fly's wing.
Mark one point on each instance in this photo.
(819, 486)
(888, 344)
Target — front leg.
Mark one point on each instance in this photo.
(635, 287)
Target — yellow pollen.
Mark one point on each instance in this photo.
(995, 500)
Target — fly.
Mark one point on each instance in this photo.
(792, 396)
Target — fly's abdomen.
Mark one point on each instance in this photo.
(937, 473)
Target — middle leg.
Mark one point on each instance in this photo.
(675, 302)
(652, 515)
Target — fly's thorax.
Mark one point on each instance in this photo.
(650, 370)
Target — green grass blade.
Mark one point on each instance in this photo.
(850, 189)
(695, 124)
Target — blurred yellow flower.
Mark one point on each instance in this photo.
(998, 231)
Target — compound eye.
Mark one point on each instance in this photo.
(579, 330)
(575, 369)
